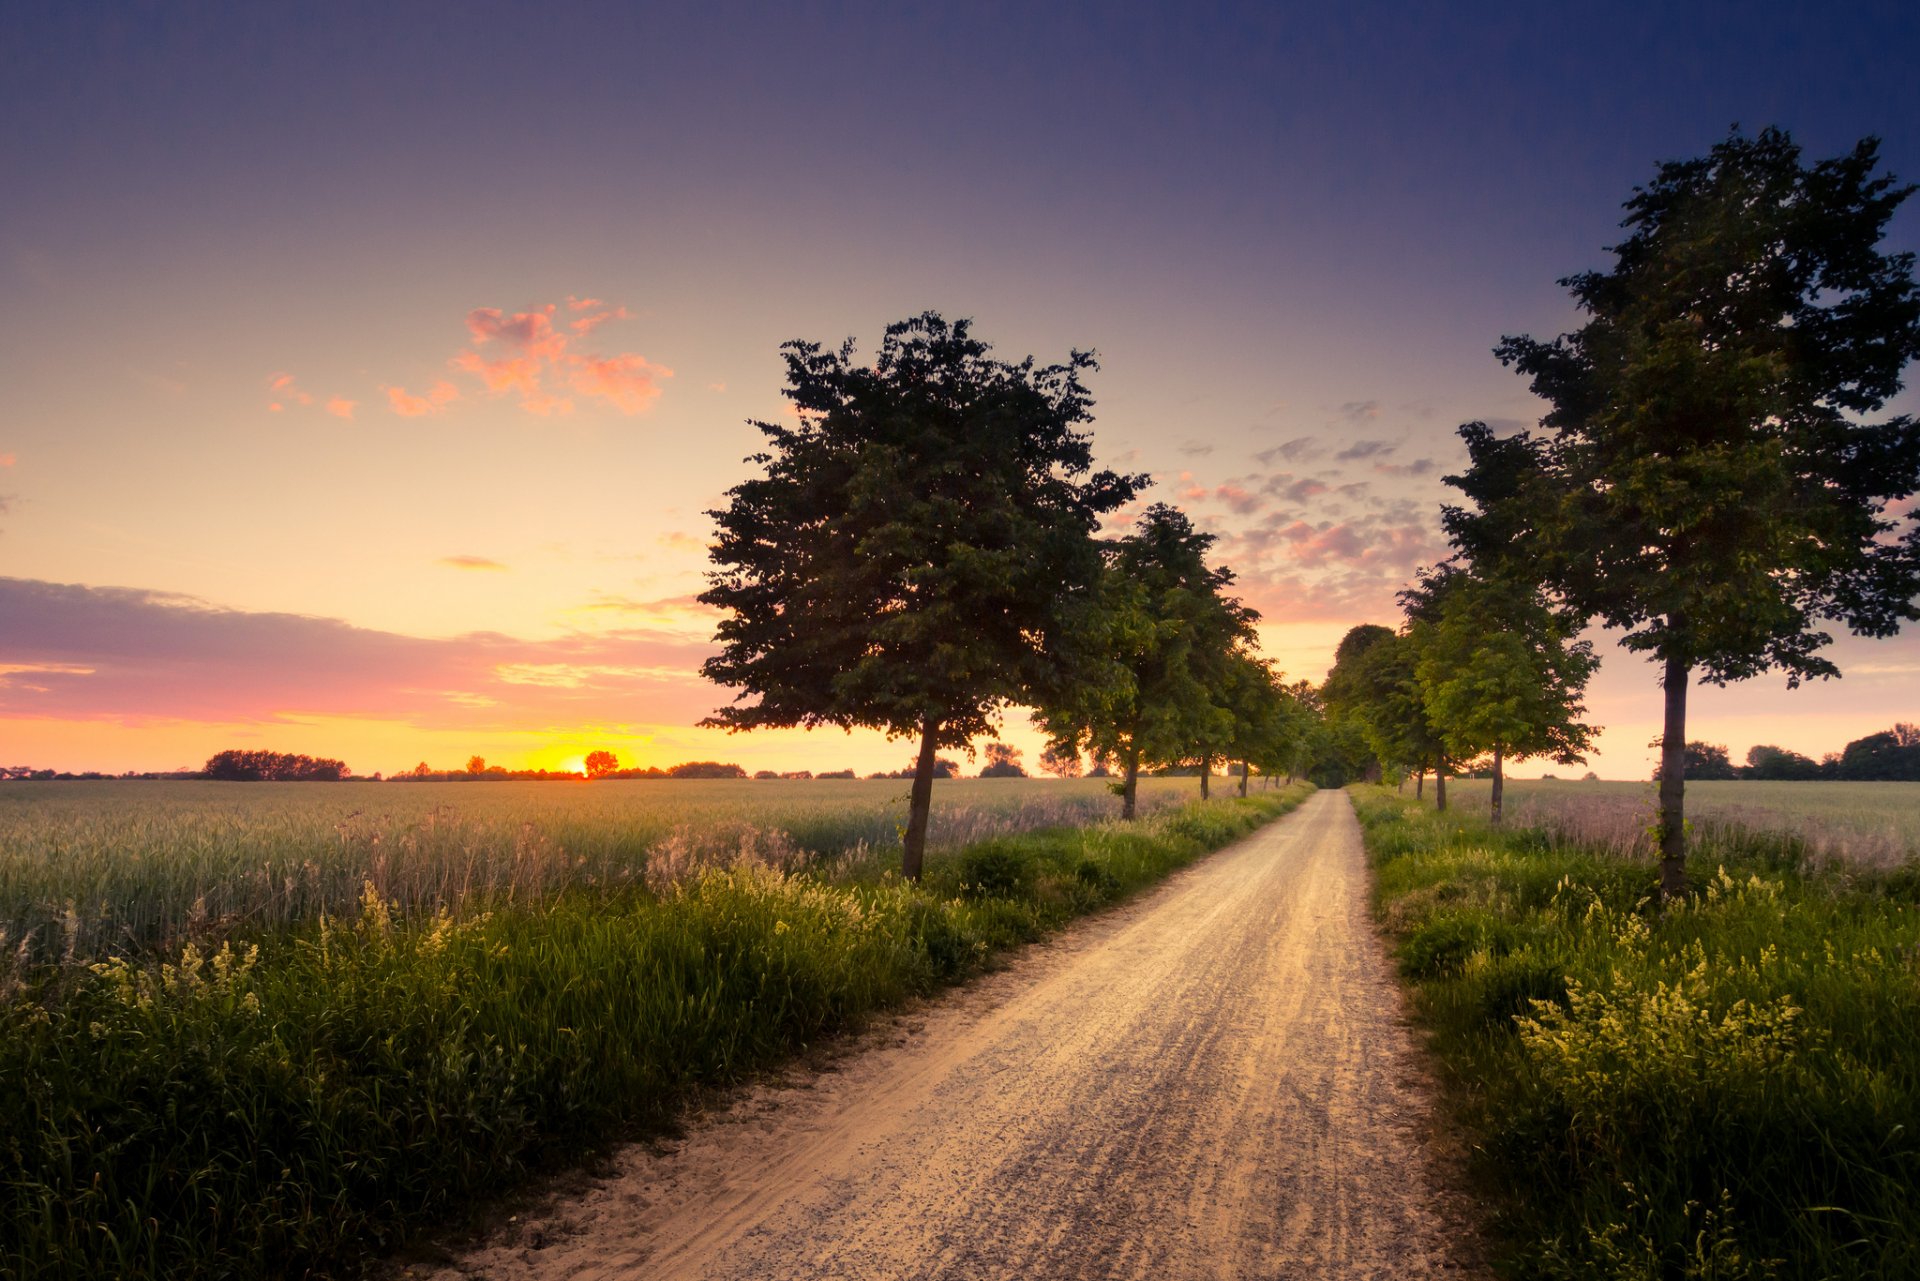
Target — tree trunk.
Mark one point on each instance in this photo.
(1499, 784)
(1206, 773)
(914, 854)
(1673, 780)
(1246, 773)
(1440, 783)
(1420, 782)
(1130, 783)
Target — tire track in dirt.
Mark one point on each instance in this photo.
(1214, 1081)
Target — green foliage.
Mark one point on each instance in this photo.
(1166, 646)
(1710, 483)
(1891, 754)
(237, 766)
(919, 553)
(1500, 674)
(1767, 762)
(919, 542)
(293, 1104)
(1708, 762)
(1727, 1087)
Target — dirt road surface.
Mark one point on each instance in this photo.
(1214, 1081)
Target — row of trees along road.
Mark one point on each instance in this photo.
(1709, 480)
(920, 554)
(1481, 668)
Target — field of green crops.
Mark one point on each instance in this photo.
(1859, 824)
(91, 869)
(253, 1030)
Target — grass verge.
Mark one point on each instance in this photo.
(290, 1104)
(1729, 1088)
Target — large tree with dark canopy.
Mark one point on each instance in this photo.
(919, 552)
(1711, 481)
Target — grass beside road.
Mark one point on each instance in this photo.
(1727, 1088)
(292, 1102)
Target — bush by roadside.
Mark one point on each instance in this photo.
(1727, 1088)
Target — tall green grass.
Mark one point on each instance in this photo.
(290, 1101)
(89, 869)
(1725, 1088)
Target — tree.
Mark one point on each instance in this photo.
(706, 769)
(1161, 630)
(600, 764)
(1061, 764)
(1500, 677)
(1708, 482)
(239, 766)
(1003, 762)
(1765, 761)
(1350, 690)
(1252, 700)
(919, 550)
(1704, 762)
(1891, 754)
(476, 764)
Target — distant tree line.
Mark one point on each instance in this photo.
(238, 766)
(1892, 755)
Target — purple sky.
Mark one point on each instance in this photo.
(515, 276)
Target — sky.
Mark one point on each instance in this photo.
(367, 370)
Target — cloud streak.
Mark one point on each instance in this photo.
(125, 655)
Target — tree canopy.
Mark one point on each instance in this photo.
(1709, 481)
(918, 553)
(1499, 676)
(1150, 689)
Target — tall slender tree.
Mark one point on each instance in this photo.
(1709, 481)
(919, 551)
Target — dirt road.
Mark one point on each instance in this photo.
(1213, 1081)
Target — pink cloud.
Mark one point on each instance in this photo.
(627, 381)
(1243, 501)
(471, 562)
(587, 324)
(523, 354)
(407, 405)
(286, 389)
(8, 460)
(341, 407)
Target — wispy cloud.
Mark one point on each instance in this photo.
(471, 562)
(407, 405)
(340, 406)
(1299, 449)
(1365, 449)
(1358, 411)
